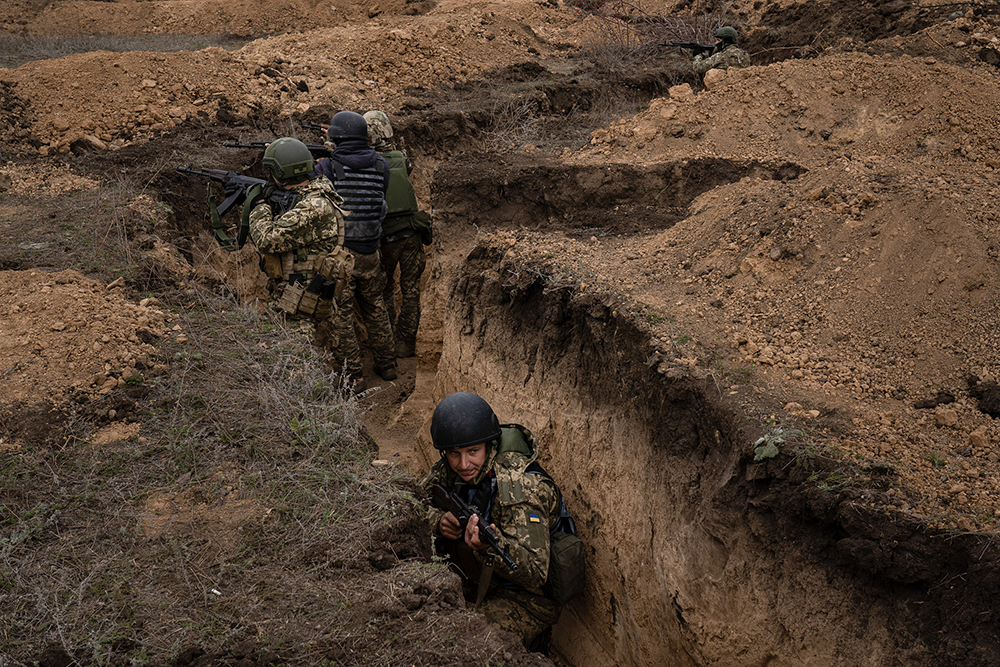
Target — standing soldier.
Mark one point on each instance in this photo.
(405, 231)
(361, 177)
(303, 248)
(725, 55)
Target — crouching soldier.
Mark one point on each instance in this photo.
(302, 249)
(501, 519)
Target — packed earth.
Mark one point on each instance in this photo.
(810, 244)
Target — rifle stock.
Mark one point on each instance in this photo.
(450, 502)
(315, 127)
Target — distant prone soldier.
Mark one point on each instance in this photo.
(725, 55)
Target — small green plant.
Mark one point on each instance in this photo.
(684, 338)
(936, 459)
(766, 446)
(833, 483)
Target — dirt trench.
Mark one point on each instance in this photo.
(697, 554)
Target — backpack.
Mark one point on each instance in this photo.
(567, 572)
(566, 559)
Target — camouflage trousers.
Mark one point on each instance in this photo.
(364, 291)
(519, 611)
(408, 254)
(523, 613)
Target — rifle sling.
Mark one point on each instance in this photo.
(217, 229)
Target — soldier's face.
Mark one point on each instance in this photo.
(466, 462)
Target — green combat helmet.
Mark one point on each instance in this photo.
(288, 160)
(379, 129)
(727, 34)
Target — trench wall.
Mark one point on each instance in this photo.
(697, 556)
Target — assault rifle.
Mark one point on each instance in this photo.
(318, 150)
(315, 127)
(236, 186)
(451, 502)
(695, 47)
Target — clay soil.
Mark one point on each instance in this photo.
(815, 235)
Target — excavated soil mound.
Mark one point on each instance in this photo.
(822, 228)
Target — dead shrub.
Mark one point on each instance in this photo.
(243, 518)
(629, 34)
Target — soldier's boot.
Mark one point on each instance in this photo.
(387, 373)
(358, 383)
(406, 348)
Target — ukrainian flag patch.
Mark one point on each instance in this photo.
(533, 518)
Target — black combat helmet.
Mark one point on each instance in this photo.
(463, 419)
(288, 160)
(347, 125)
(727, 34)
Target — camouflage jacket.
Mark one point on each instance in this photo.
(314, 225)
(731, 56)
(524, 506)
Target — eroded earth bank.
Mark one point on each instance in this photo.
(752, 321)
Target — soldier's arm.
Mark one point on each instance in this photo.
(702, 65)
(525, 527)
(296, 228)
(434, 515)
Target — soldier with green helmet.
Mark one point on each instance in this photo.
(494, 468)
(405, 231)
(302, 249)
(726, 53)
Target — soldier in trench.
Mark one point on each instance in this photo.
(302, 249)
(725, 55)
(361, 177)
(493, 468)
(405, 231)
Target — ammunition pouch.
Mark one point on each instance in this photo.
(337, 267)
(315, 282)
(422, 225)
(270, 264)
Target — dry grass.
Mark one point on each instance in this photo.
(630, 34)
(244, 513)
(515, 122)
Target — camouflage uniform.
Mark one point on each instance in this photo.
(365, 287)
(405, 250)
(524, 507)
(731, 56)
(402, 245)
(361, 177)
(313, 228)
